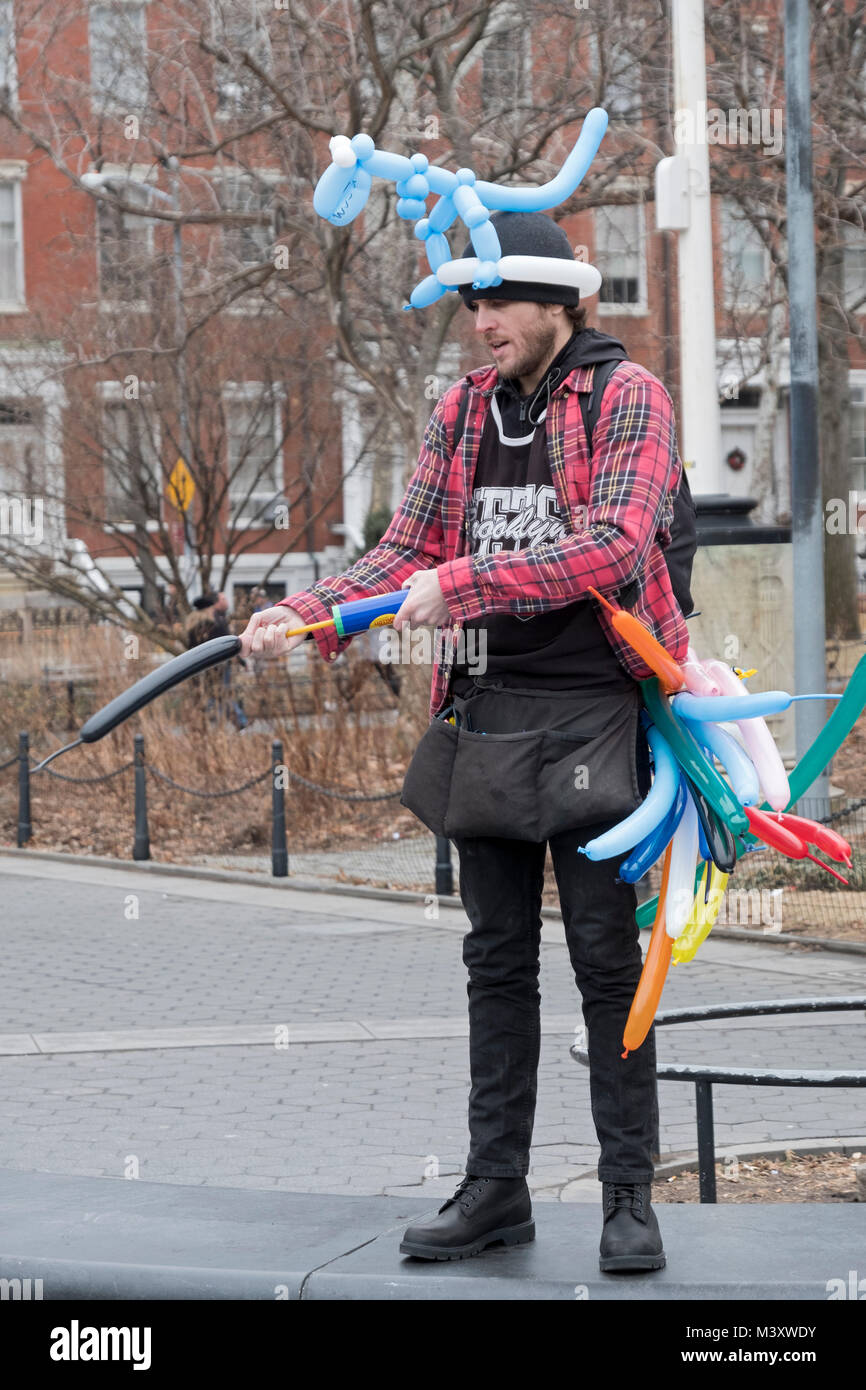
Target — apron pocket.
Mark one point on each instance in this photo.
(585, 778)
(493, 788)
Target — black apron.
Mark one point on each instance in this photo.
(528, 764)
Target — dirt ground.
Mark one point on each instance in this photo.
(826, 1177)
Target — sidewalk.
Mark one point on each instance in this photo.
(281, 1074)
(241, 1035)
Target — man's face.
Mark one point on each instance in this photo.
(519, 332)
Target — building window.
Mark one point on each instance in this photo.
(132, 471)
(22, 448)
(238, 27)
(506, 65)
(854, 267)
(8, 68)
(118, 56)
(248, 243)
(125, 249)
(620, 255)
(618, 77)
(11, 247)
(745, 259)
(254, 455)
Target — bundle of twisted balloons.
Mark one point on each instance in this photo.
(342, 191)
(693, 815)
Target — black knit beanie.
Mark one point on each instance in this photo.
(526, 234)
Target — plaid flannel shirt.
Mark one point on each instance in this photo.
(619, 501)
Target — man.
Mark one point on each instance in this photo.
(508, 536)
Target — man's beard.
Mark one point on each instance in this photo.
(539, 348)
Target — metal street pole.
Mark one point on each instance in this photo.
(189, 565)
(700, 423)
(807, 513)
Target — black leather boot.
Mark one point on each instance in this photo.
(630, 1238)
(482, 1212)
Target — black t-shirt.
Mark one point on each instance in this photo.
(513, 507)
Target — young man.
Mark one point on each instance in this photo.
(505, 535)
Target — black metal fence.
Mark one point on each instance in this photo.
(277, 774)
(705, 1076)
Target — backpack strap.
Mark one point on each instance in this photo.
(460, 421)
(590, 409)
(590, 401)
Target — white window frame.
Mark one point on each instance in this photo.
(857, 382)
(11, 82)
(239, 393)
(853, 239)
(111, 392)
(604, 308)
(103, 100)
(14, 172)
(740, 298)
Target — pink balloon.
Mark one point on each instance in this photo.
(696, 676)
(757, 739)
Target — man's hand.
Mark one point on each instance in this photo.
(263, 634)
(425, 606)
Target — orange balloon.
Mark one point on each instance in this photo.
(642, 641)
(655, 969)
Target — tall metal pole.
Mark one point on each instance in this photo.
(189, 567)
(700, 422)
(807, 510)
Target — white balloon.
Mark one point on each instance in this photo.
(341, 151)
(681, 874)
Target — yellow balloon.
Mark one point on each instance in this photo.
(702, 916)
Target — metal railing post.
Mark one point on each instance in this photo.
(25, 827)
(706, 1140)
(141, 842)
(279, 851)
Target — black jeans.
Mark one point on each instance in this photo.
(500, 887)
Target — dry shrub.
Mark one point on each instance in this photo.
(341, 729)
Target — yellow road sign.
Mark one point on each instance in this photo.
(180, 489)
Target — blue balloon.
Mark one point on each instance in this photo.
(725, 707)
(647, 853)
(734, 759)
(652, 810)
(341, 194)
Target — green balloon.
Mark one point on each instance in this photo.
(692, 758)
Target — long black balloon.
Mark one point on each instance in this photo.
(720, 841)
(156, 683)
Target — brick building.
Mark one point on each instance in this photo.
(101, 270)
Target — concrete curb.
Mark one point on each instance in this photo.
(108, 1238)
(404, 895)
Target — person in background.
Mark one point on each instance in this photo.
(207, 620)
